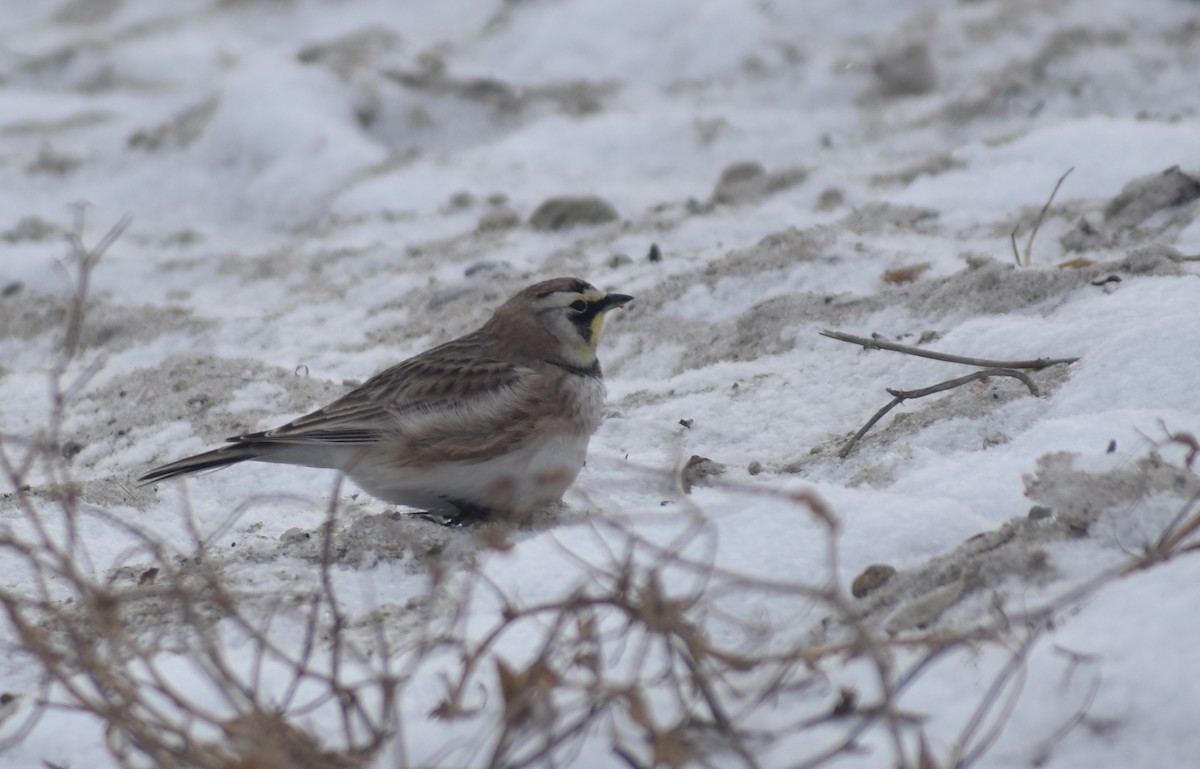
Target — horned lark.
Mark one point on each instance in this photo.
(497, 421)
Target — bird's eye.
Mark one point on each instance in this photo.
(579, 305)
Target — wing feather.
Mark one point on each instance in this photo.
(446, 403)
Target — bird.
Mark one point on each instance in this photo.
(493, 424)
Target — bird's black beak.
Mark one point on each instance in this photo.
(613, 300)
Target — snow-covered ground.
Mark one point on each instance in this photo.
(321, 188)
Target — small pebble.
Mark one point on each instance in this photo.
(460, 199)
(906, 72)
(740, 183)
(871, 579)
(698, 470)
(565, 212)
(500, 218)
(1039, 513)
(830, 198)
(294, 535)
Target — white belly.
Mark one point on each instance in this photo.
(511, 484)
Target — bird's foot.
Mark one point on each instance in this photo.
(466, 514)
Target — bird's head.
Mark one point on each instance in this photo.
(570, 314)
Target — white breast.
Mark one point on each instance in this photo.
(533, 475)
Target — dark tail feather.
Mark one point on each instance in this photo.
(209, 460)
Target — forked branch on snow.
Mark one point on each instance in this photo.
(1003, 368)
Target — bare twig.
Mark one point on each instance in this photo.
(84, 260)
(962, 380)
(872, 343)
(1011, 676)
(1042, 754)
(1185, 439)
(1173, 539)
(1037, 223)
(899, 396)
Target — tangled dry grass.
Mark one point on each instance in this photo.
(181, 666)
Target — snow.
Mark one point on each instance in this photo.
(308, 183)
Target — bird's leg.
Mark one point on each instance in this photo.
(467, 513)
